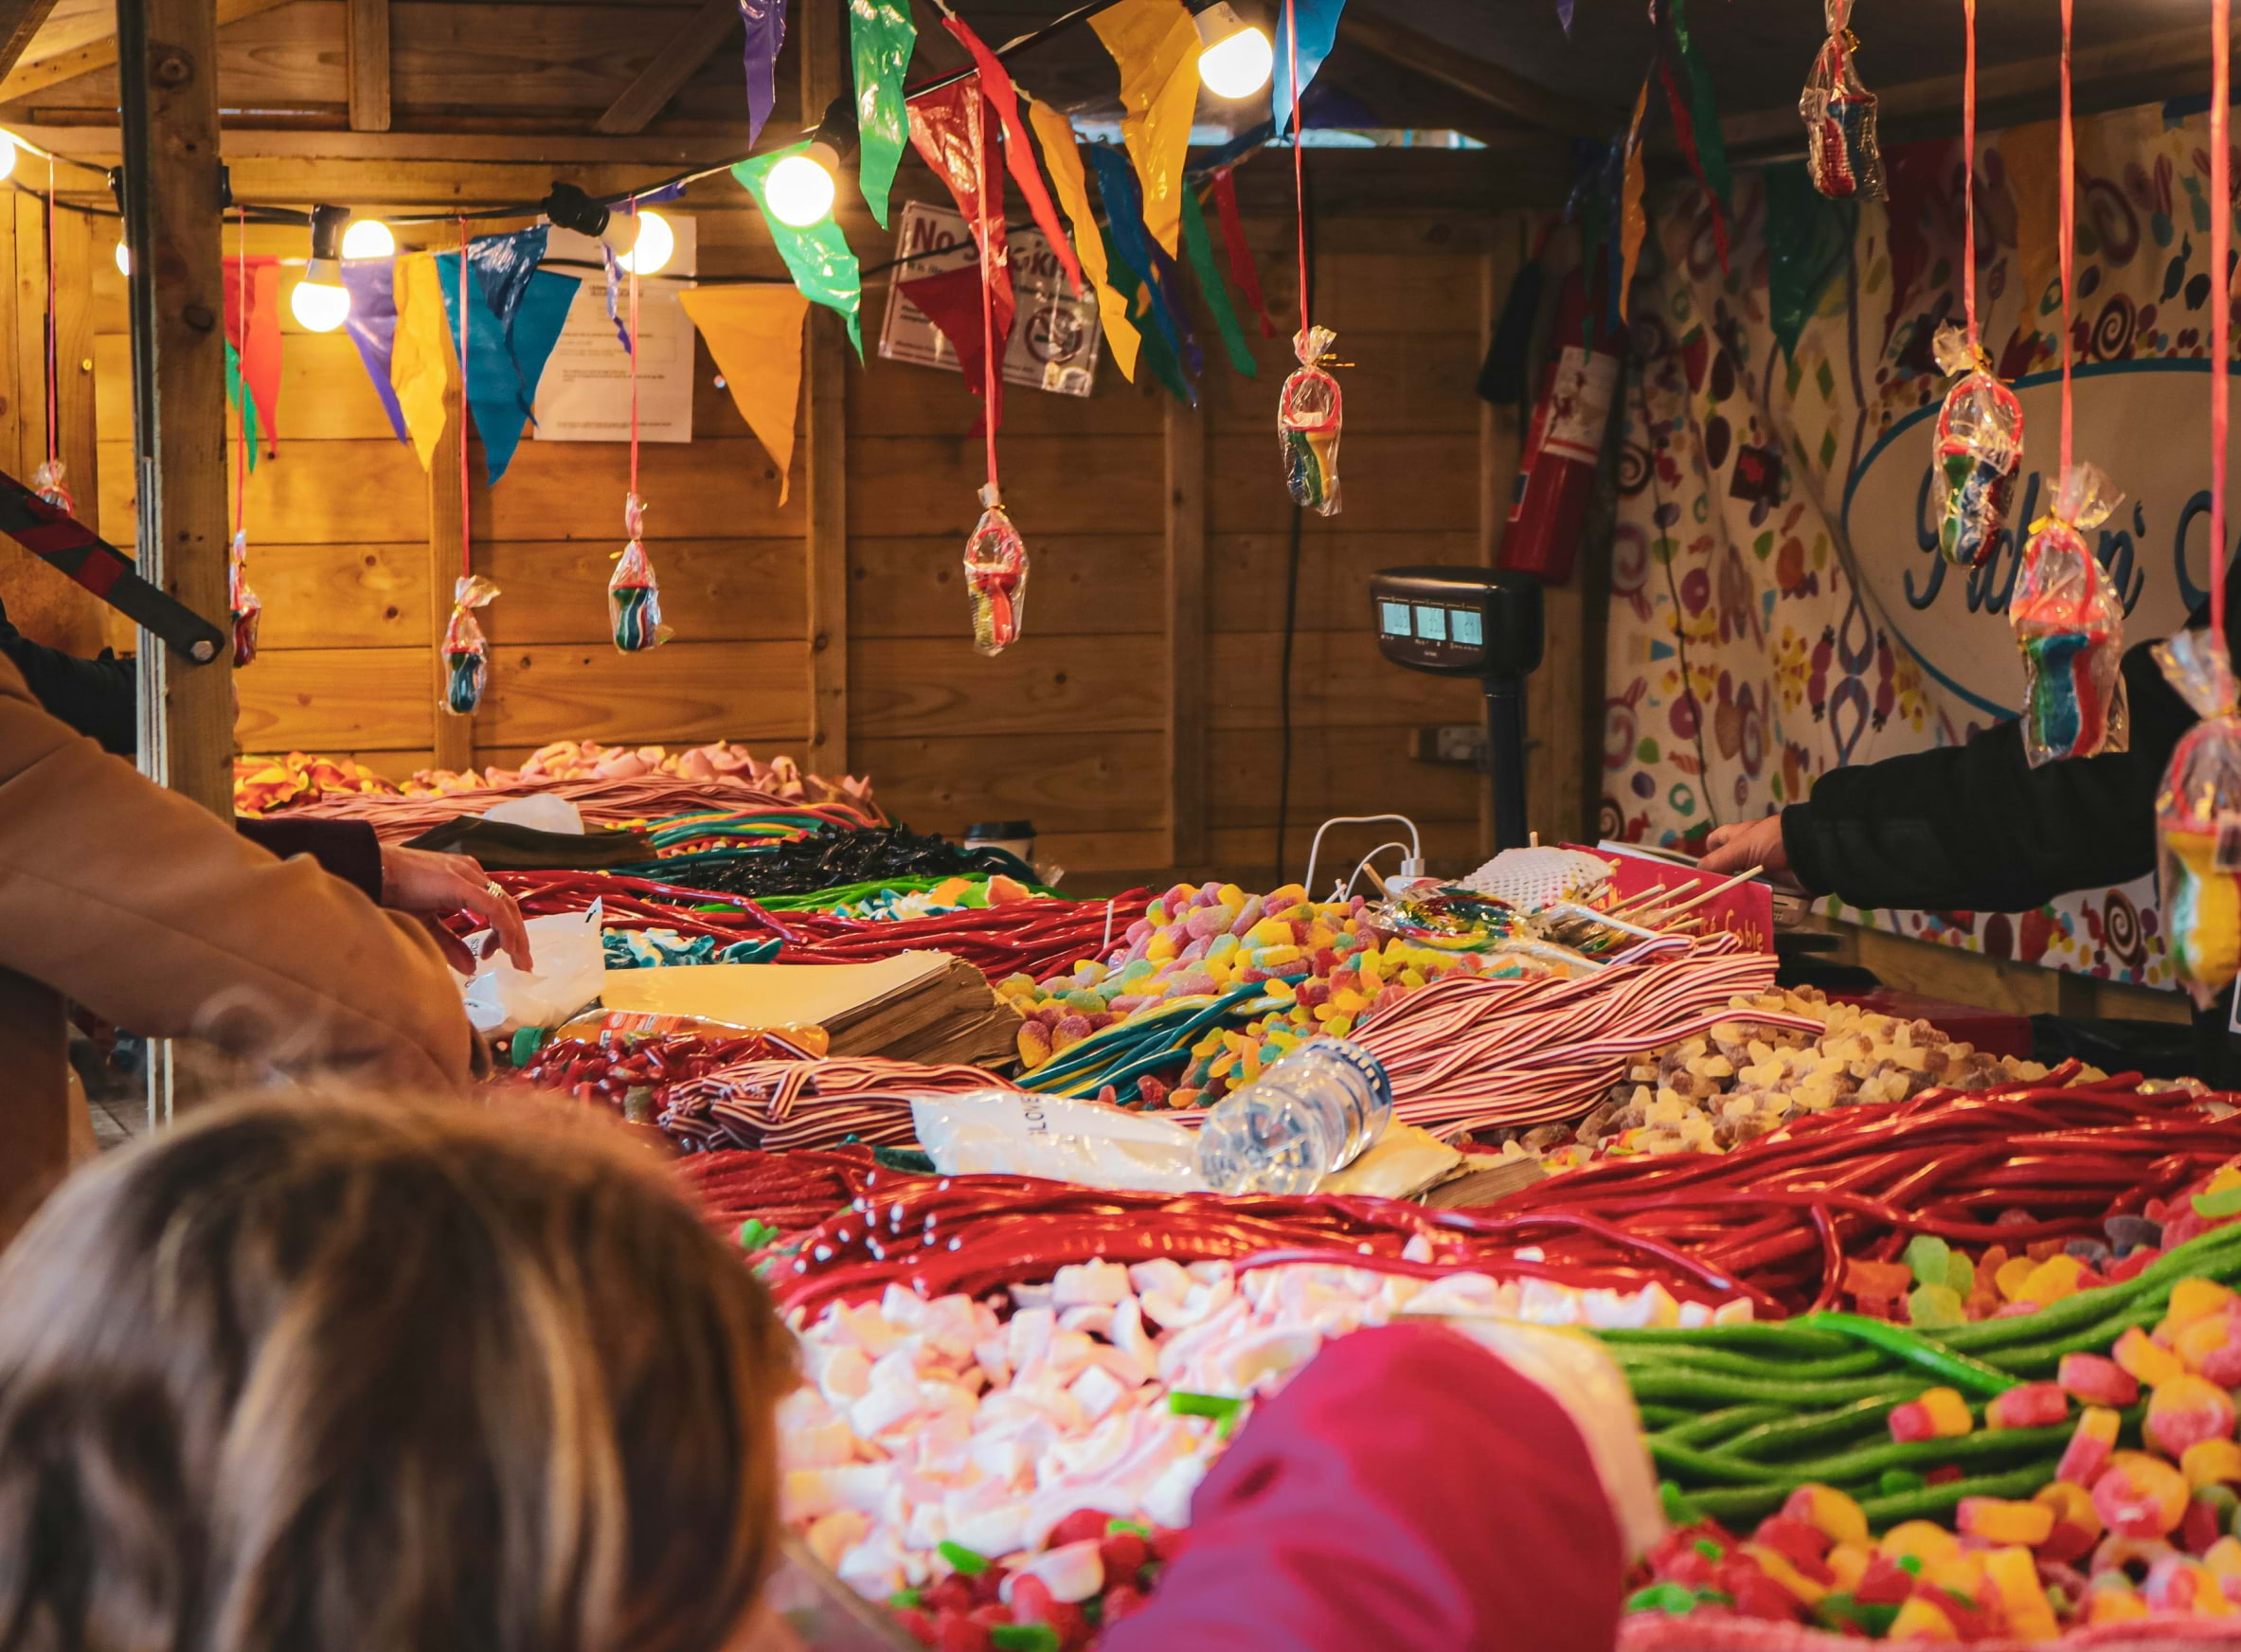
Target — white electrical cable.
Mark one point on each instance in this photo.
(1412, 866)
(1362, 865)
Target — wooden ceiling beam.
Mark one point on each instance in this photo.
(1489, 83)
(2144, 69)
(665, 75)
(367, 26)
(25, 79)
(19, 21)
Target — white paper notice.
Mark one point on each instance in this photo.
(585, 395)
(1055, 335)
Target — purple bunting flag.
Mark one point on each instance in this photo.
(766, 22)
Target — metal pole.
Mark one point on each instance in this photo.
(1505, 760)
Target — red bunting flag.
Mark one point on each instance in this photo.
(996, 84)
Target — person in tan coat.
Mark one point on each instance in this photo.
(155, 915)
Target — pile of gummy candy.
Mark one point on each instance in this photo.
(1319, 966)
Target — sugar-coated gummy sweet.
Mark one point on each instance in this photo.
(2187, 1409)
(1838, 1516)
(1938, 1413)
(1922, 1619)
(2138, 1496)
(2030, 1405)
(2145, 1358)
(1998, 1521)
(2096, 1381)
(1921, 1540)
(2089, 1447)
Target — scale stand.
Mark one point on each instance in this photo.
(1471, 622)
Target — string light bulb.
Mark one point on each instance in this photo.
(321, 302)
(368, 238)
(125, 260)
(8, 151)
(1238, 59)
(799, 190)
(657, 243)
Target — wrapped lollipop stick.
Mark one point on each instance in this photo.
(466, 650)
(1307, 421)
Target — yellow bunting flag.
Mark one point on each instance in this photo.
(1634, 223)
(1155, 45)
(1062, 159)
(755, 334)
(2031, 156)
(419, 364)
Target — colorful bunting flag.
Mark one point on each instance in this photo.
(504, 356)
(1634, 223)
(253, 328)
(766, 22)
(882, 36)
(995, 85)
(1317, 24)
(1061, 157)
(1710, 148)
(1808, 242)
(951, 300)
(419, 364)
(1199, 247)
(503, 266)
(949, 129)
(1242, 268)
(251, 430)
(1156, 355)
(372, 286)
(1155, 45)
(754, 335)
(818, 257)
(1129, 243)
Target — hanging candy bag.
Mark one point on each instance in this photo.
(1979, 448)
(2198, 819)
(634, 599)
(2071, 626)
(1307, 422)
(995, 576)
(46, 481)
(1839, 115)
(242, 601)
(466, 652)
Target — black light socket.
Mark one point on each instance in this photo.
(326, 227)
(570, 209)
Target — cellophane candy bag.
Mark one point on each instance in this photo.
(1307, 421)
(46, 481)
(1979, 448)
(242, 601)
(634, 599)
(466, 652)
(2198, 819)
(995, 577)
(2071, 626)
(1840, 116)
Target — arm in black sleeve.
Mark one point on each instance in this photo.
(96, 697)
(345, 849)
(1976, 827)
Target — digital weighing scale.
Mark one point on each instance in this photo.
(1471, 622)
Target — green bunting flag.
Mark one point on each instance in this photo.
(247, 427)
(1199, 248)
(818, 257)
(883, 37)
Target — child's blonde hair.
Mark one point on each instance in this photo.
(355, 1375)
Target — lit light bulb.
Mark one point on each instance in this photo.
(124, 259)
(799, 190)
(1238, 65)
(368, 238)
(650, 253)
(7, 154)
(321, 302)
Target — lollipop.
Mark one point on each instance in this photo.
(2070, 627)
(1979, 446)
(1308, 420)
(466, 652)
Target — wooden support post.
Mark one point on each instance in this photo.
(826, 436)
(172, 203)
(1188, 781)
(366, 24)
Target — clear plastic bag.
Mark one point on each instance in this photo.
(1308, 418)
(1842, 153)
(634, 598)
(466, 652)
(1979, 449)
(2198, 819)
(2070, 627)
(995, 577)
(46, 481)
(241, 601)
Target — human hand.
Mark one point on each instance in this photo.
(1735, 848)
(429, 886)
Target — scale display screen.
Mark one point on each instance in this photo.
(1457, 621)
(1469, 627)
(1392, 618)
(1431, 623)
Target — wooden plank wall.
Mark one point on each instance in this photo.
(1069, 728)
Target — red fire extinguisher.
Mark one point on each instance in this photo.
(1565, 443)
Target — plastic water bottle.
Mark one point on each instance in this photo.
(1307, 1114)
